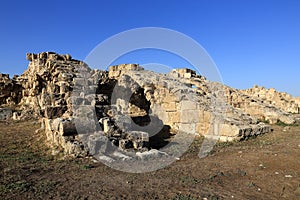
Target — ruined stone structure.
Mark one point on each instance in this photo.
(10, 90)
(127, 105)
(261, 109)
(297, 100)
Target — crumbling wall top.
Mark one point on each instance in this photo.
(118, 70)
(49, 56)
(183, 73)
(4, 76)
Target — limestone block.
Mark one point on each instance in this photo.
(139, 139)
(187, 75)
(188, 105)
(227, 139)
(202, 128)
(228, 130)
(80, 82)
(16, 116)
(189, 116)
(84, 111)
(55, 111)
(75, 149)
(5, 113)
(187, 128)
(174, 117)
(55, 125)
(169, 107)
(166, 98)
(271, 119)
(287, 119)
(86, 125)
(206, 117)
(97, 144)
(47, 123)
(138, 135)
(106, 124)
(160, 113)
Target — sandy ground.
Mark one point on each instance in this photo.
(266, 167)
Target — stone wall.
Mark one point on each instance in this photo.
(297, 100)
(246, 102)
(186, 108)
(124, 105)
(281, 100)
(261, 108)
(10, 90)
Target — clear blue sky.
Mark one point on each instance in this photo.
(251, 41)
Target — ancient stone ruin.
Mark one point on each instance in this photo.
(84, 111)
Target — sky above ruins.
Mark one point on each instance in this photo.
(251, 41)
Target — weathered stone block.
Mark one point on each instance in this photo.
(226, 139)
(106, 124)
(187, 75)
(202, 128)
(5, 113)
(206, 117)
(125, 144)
(187, 128)
(97, 144)
(189, 116)
(287, 119)
(166, 97)
(138, 135)
(16, 116)
(174, 117)
(188, 105)
(171, 106)
(228, 130)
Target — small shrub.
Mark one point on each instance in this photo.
(87, 167)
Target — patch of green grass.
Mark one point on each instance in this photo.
(190, 180)
(280, 123)
(45, 187)
(265, 121)
(258, 141)
(19, 186)
(195, 146)
(87, 166)
(225, 144)
(24, 157)
(42, 187)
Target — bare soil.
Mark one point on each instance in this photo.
(266, 167)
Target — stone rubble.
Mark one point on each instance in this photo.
(116, 114)
(5, 113)
(282, 100)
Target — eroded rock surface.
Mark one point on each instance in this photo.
(86, 111)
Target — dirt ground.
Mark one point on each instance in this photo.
(266, 167)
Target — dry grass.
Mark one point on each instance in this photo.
(252, 169)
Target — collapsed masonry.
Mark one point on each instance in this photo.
(85, 111)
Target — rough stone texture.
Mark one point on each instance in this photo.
(5, 113)
(126, 104)
(188, 105)
(10, 90)
(297, 100)
(263, 109)
(281, 100)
